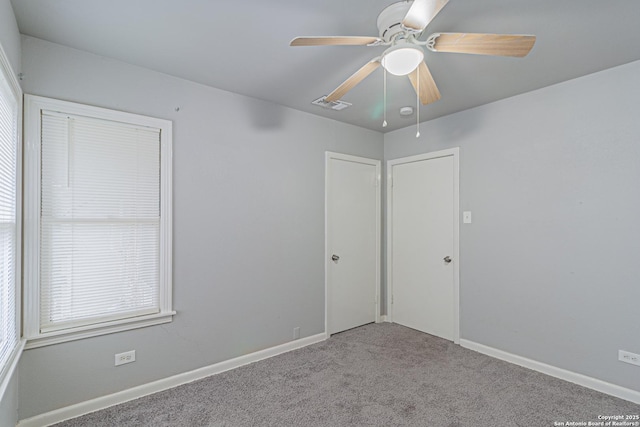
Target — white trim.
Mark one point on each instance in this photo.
(563, 374)
(166, 218)
(31, 231)
(104, 402)
(384, 318)
(33, 106)
(10, 368)
(62, 107)
(88, 331)
(329, 155)
(455, 153)
(11, 77)
(7, 371)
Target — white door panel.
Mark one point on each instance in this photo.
(424, 214)
(353, 236)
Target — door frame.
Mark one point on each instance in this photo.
(329, 156)
(455, 153)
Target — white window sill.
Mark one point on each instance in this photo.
(97, 330)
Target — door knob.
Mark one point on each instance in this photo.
(335, 257)
(447, 259)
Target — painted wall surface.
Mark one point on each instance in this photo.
(10, 42)
(10, 36)
(9, 403)
(248, 225)
(551, 263)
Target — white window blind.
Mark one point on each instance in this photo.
(99, 221)
(8, 223)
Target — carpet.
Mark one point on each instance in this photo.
(374, 375)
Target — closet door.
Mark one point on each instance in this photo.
(353, 241)
(423, 230)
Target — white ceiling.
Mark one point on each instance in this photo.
(243, 47)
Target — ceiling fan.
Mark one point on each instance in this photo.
(400, 25)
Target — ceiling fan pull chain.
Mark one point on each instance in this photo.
(418, 103)
(384, 102)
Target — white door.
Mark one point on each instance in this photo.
(353, 241)
(423, 243)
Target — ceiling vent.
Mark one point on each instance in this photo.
(333, 105)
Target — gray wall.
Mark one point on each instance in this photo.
(248, 225)
(10, 41)
(550, 264)
(9, 403)
(9, 35)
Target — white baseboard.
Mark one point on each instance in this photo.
(384, 318)
(103, 402)
(563, 374)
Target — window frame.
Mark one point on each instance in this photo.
(33, 106)
(7, 370)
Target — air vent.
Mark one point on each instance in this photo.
(334, 105)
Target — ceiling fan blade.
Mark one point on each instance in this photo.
(421, 13)
(483, 44)
(352, 81)
(428, 90)
(335, 41)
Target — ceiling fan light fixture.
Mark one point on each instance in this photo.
(402, 59)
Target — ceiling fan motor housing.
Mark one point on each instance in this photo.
(390, 20)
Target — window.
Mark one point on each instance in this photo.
(10, 172)
(101, 206)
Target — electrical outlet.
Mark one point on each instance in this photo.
(628, 357)
(296, 333)
(126, 357)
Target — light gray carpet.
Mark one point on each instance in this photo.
(375, 375)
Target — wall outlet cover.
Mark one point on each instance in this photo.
(628, 357)
(126, 357)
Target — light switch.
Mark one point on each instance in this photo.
(466, 217)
